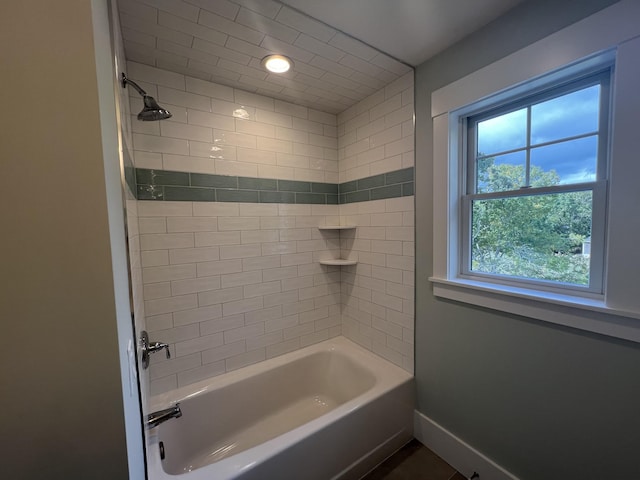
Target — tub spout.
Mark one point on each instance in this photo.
(156, 418)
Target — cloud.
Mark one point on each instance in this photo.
(569, 115)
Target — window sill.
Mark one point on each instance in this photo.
(582, 313)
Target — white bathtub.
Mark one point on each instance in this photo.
(331, 410)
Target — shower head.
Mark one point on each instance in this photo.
(151, 111)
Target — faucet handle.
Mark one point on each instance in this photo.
(147, 348)
(157, 346)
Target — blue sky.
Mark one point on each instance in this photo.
(572, 114)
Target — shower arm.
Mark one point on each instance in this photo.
(126, 81)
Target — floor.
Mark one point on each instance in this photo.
(414, 461)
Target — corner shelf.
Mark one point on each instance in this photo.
(337, 261)
(337, 227)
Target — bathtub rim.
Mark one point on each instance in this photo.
(167, 399)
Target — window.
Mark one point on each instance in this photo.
(572, 257)
(535, 194)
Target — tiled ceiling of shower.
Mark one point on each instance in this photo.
(224, 41)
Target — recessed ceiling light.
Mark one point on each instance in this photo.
(277, 63)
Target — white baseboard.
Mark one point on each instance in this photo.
(460, 455)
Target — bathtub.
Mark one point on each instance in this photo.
(331, 410)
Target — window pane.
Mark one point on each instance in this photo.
(503, 133)
(566, 116)
(542, 237)
(501, 173)
(574, 161)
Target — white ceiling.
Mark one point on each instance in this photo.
(409, 30)
(224, 41)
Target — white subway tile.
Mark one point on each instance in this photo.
(255, 128)
(312, 338)
(259, 289)
(291, 109)
(263, 315)
(222, 352)
(196, 315)
(278, 248)
(211, 120)
(280, 299)
(218, 268)
(240, 169)
(163, 241)
(280, 323)
(159, 322)
(298, 331)
(173, 366)
(202, 284)
(277, 222)
(213, 297)
(163, 209)
(240, 251)
(387, 353)
(251, 155)
(274, 118)
(274, 145)
(244, 278)
(242, 306)
(152, 225)
(191, 224)
(399, 146)
(296, 259)
(233, 138)
(221, 324)
(283, 347)
(199, 344)
(184, 99)
(296, 283)
(401, 262)
(155, 258)
(168, 273)
(260, 101)
(170, 304)
(215, 209)
(157, 290)
(400, 204)
(157, 76)
(208, 89)
(201, 373)
(308, 150)
(147, 160)
(264, 340)
(206, 239)
(283, 133)
(238, 223)
(260, 263)
(153, 143)
(282, 173)
(244, 359)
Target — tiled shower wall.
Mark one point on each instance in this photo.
(220, 130)
(228, 284)
(375, 137)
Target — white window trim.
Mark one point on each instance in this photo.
(585, 44)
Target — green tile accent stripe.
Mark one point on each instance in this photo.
(399, 183)
(200, 187)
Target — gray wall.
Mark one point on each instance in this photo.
(61, 401)
(543, 401)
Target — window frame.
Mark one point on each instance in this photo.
(610, 34)
(560, 86)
